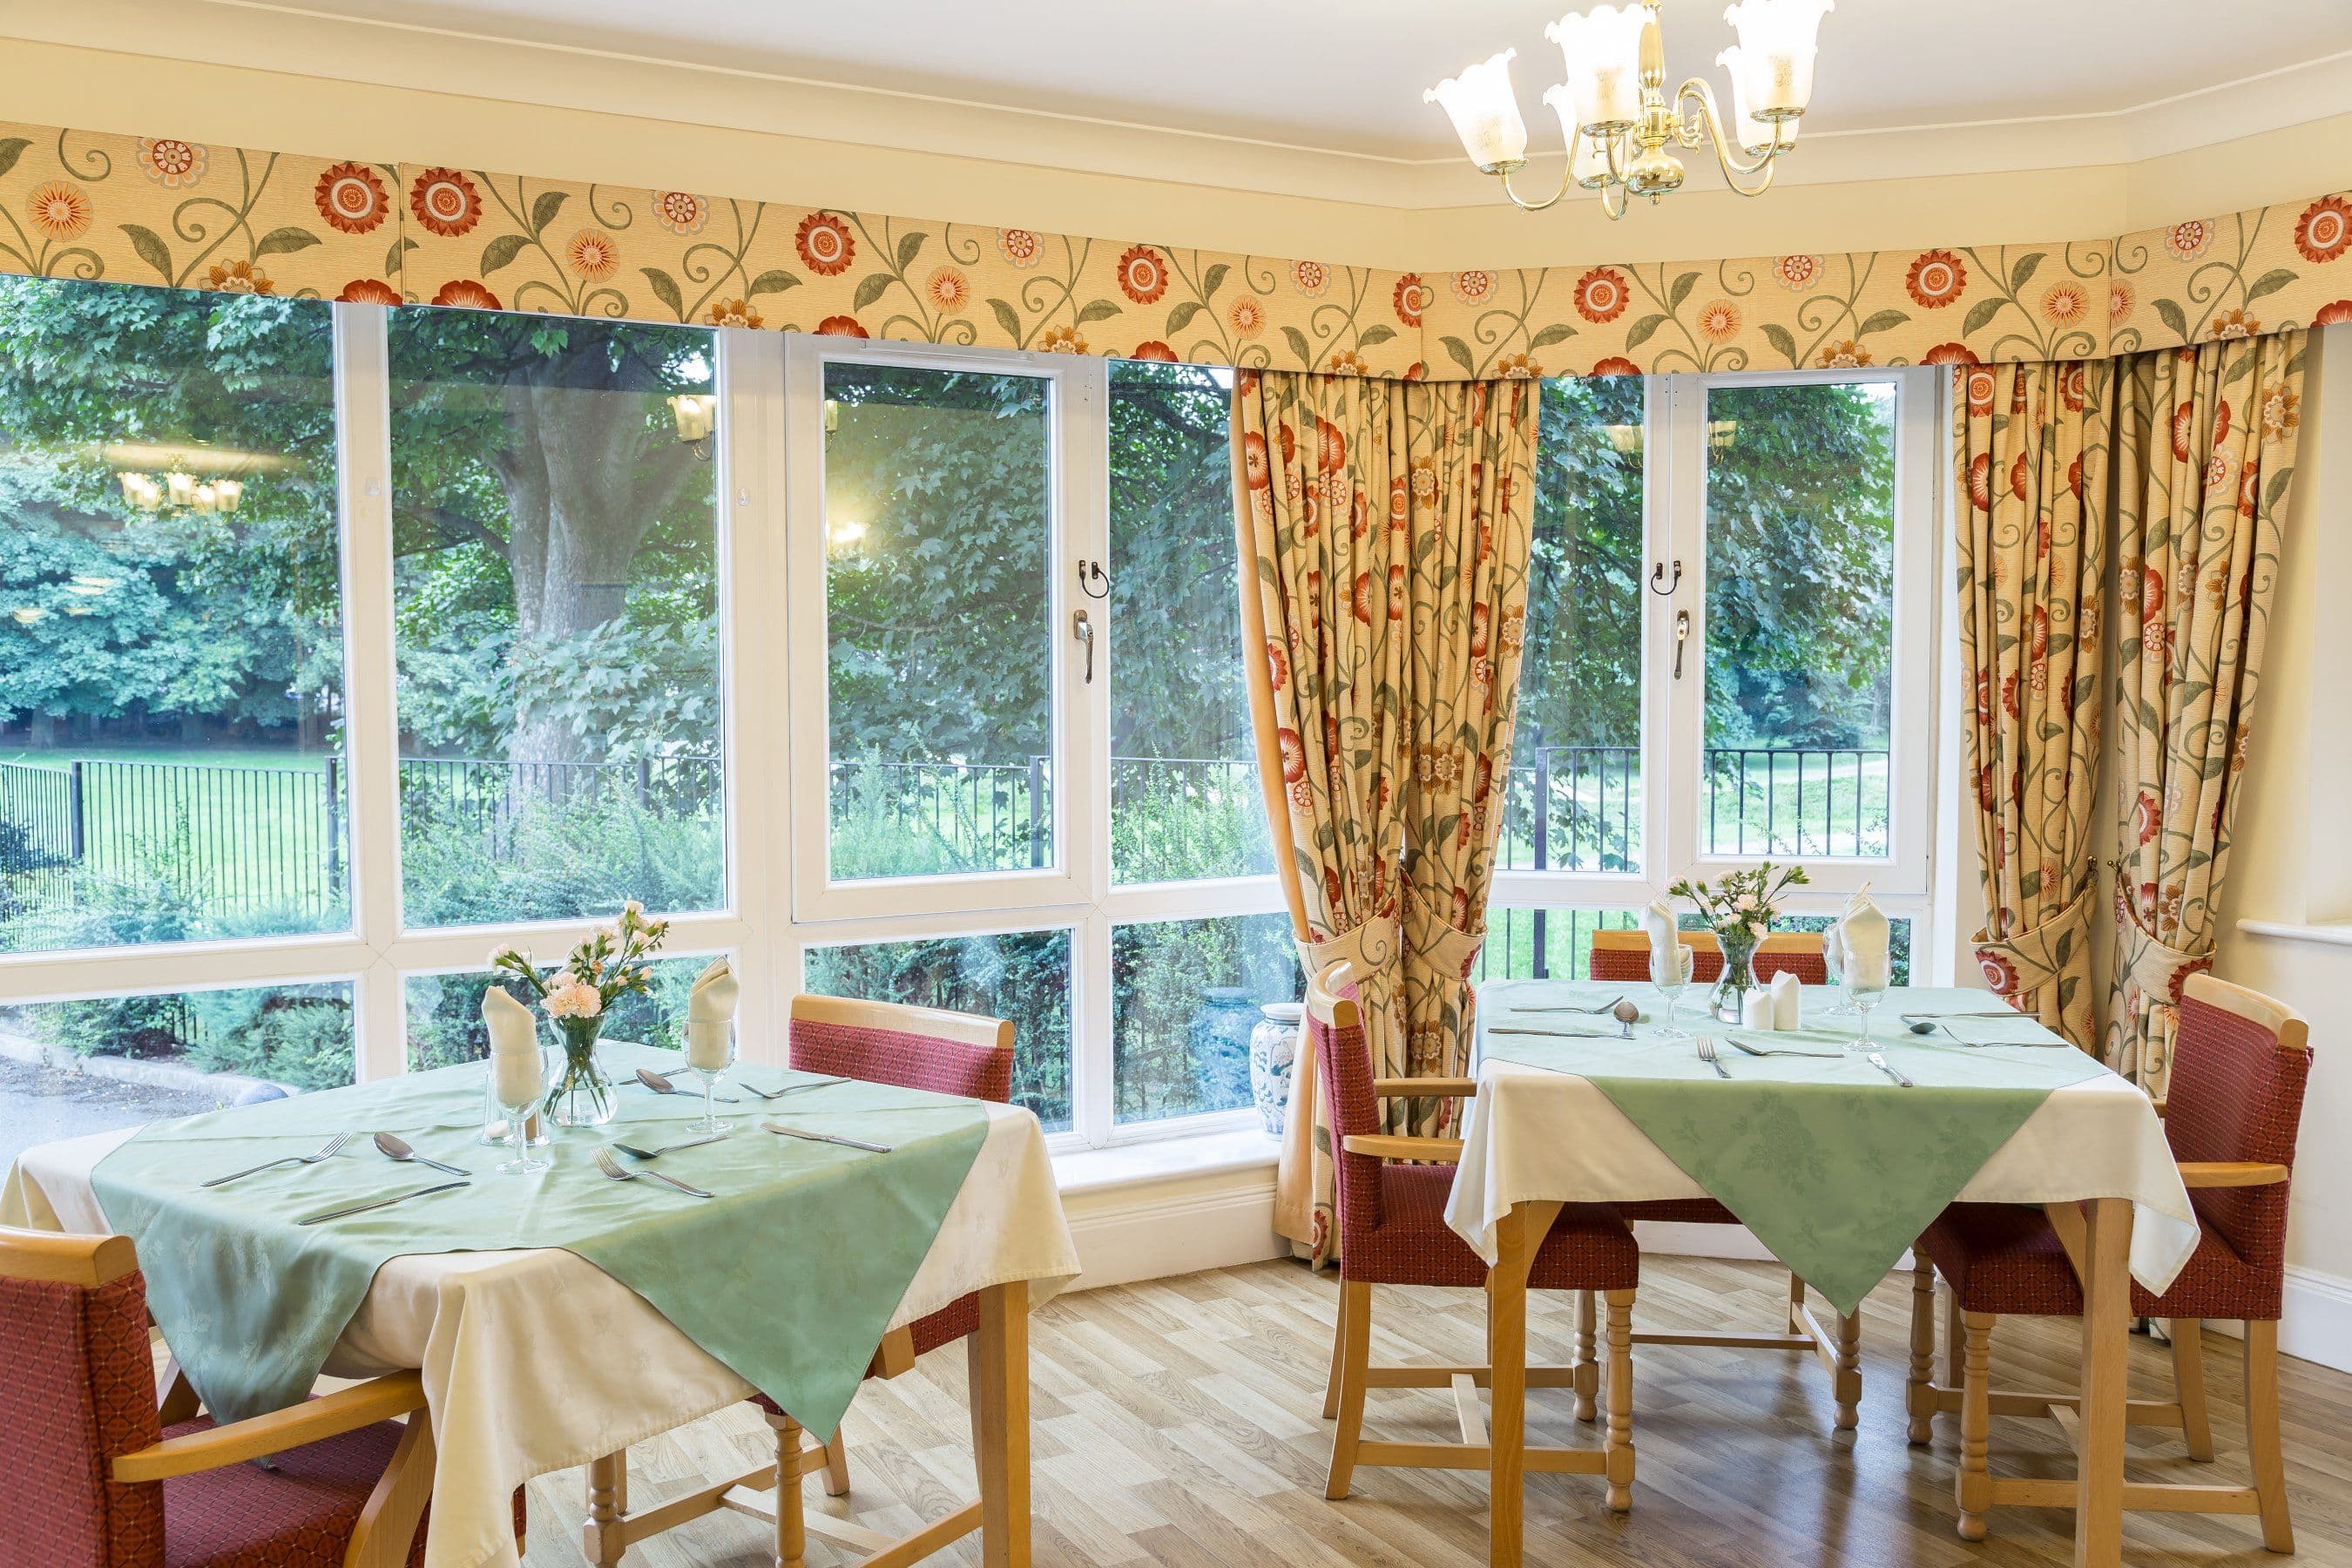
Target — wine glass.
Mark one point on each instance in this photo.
(709, 1052)
(518, 1079)
(1834, 959)
(1861, 984)
(1670, 971)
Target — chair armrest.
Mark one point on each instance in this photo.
(329, 1415)
(2230, 1173)
(1426, 1088)
(1396, 1146)
(2157, 1106)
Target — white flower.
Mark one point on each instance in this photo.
(572, 1000)
(634, 907)
(1747, 902)
(1757, 928)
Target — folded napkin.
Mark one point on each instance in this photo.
(514, 1047)
(709, 1014)
(1861, 938)
(1667, 955)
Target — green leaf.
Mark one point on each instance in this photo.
(909, 245)
(2274, 488)
(1300, 346)
(2169, 312)
(1007, 317)
(1982, 311)
(2027, 265)
(279, 240)
(870, 287)
(1557, 332)
(151, 248)
(543, 210)
(1643, 331)
(392, 258)
(11, 150)
(1881, 320)
(2269, 282)
(501, 251)
(665, 288)
(1214, 277)
(1183, 311)
(1378, 333)
(1098, 310)
(1680, 290)
(1461, 353)
(775, 281)
(1777, 336)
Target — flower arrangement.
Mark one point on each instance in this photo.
(611, 964)
(1739, 909)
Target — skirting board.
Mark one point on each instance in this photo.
(1151, 1230)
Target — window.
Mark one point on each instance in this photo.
(1184, 996)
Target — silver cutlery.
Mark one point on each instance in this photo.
(1706, 1055)
(1625, 1012)
(334, 1147)
(660, 1085)
(397, 1149)
(1965, 1044)
(382, 1203)
(1738, 1043)
(1572, 1007)
(668, 1148)
(1878, 1060)
(825, 1138)
(793, 1088)
(612, 1168)
(1558, 1034)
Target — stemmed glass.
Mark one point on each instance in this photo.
(1861, 996)
(518, 1079)
(1671, 971)
(709, 1051)
(1834, 959)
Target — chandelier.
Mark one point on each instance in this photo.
(1614, 111)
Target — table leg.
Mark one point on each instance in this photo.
(1000, 1423)
(600, 1538)
(1519, 1235)
(2106, 1319)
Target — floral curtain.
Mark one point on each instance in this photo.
(2031, 445)
(1470, 506)
(2205, 443)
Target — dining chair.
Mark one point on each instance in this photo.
(1623, 956)
(1391, 1191)
(108, 1475)
(2240, 1061)
(879, 1042)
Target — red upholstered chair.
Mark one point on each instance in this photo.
(1624, 956)
(2239, 1064)
(881, 1042)
(1390, 1192)
(104, 1475)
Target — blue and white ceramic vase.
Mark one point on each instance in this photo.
(1273, 1052)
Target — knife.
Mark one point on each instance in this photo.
(382, 1203)
(825, 1138)
(1878, 1060)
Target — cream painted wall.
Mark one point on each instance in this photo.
(659, 126)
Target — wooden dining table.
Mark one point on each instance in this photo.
(1537, 1137)
(535, 1360)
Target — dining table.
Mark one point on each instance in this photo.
(555, 1319)
(1835, 1142)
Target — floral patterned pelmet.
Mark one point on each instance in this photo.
(161, 210)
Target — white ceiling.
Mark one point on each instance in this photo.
(1345, 76)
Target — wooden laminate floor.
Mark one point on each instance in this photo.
(1179, 1422)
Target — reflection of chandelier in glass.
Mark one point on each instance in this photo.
(1614, 110)
(182, 491)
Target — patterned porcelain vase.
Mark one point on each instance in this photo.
(1273, 1051)
(1738, 977)
(581, 1096)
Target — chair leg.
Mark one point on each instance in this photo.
(2263, 1435)
(608, 1499)
(1355, 1357)
(1919, 1392)
(1617, 1446)
(1338, 1358)
(1796, 1303)
(792, 1530)
(2187, 1337)
(1973, 1487)
(1587, 1369)
(837, 1466)
(1952, 1345)
(1846, 1388)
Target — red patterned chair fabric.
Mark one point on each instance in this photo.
(1631, 965)
(2234, 1096)
(1392, 1229)
(78, 1391)
(1809, 965)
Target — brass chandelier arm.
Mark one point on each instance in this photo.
(1706, 125)
(1567, 184)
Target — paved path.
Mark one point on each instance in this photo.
(40, 1104)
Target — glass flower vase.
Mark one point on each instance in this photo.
(1738, 977)
(582, 1095)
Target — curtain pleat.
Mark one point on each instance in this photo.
(2205, 446)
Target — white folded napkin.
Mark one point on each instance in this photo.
(1863, 936)
(515, 1068)
(1788, 1011)
(709, 1014)
(1667, 955)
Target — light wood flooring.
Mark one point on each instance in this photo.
(1179, 1422)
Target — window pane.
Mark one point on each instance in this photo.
(557, 628)
(1184, 796)
(1576, 759)
(1184, 996)
(1545, 943)
(938, 506)
(1800, 619)
(1023, 976)
(445, 1010)
(97, 1063)
(171, 618)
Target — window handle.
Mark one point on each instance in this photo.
(1682, 636)
(1084, 630)
(1658, 584)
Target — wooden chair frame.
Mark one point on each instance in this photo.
(387, 1523)
(1968, 1389)
(772, 1492)
(1352, 1373)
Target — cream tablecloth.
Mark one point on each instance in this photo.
(537, 1361)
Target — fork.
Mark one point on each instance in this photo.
(668, 1148)
(612, 1167)
(1572, 1007)
(1706, 1054)
(334, 1147)
(793, 1087)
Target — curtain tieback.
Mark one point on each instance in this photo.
(1369, 948)
(1433, 944)
(2151, 967)
(2038, 955)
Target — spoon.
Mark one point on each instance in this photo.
(1625, 1012)
(660, 1085)
(395, 1148)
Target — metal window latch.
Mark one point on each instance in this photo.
(1682, 636)
(1658, 582)
(1084, 630)
(1093, 581)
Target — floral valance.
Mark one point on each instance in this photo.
(160, 210)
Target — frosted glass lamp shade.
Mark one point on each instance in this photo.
(1776, 54)
(1602, 48)
(1753, 136)
(1486, 113)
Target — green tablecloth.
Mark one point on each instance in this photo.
(790, 1275)
(1834, 1166)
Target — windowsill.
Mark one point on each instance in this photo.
(2327, 933)
(1165, 1159)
